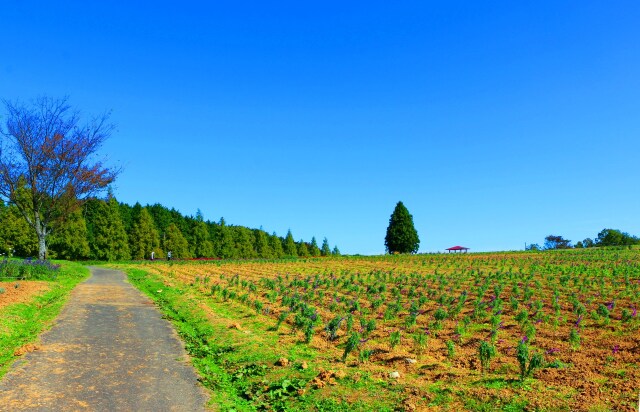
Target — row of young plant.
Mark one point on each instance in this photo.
(350, 308)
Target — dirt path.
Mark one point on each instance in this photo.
(109, 351)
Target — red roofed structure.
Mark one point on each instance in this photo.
(458, 249)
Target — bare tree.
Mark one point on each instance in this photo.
(47, 162)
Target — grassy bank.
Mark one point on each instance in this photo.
(21, 323)
(241, 358)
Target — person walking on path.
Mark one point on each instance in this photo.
(153, 255)
(169, 255)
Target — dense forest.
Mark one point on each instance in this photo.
(110, 230)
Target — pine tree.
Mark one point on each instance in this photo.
(314, 250)
(303, 250)
(16, 236)
(336, 251)
(110, 238)
(69, 241)
(402, 236)
(224, 241)
(202, 245)
(143, 238)
(276, 245)
(326, 250)
(244, 242)
(176, 243)
(290, 248)
(262, 246)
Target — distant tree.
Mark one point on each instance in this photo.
(202, 244)
(556, 242)
(614, 237)
(176, 243)
(533, 246)
(276, 245)
(588, 242)
(69, 241)
(303, 249)
(335, 251)
(110, 239)
(16, 237)
(402, 236)
(244, 242)
(325, 250)
(262, 247)
(579, 245)
(290, 248)
(50, 153)
(314, 250)
(223, 241)
(143, 237)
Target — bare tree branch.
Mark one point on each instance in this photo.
(47, 164)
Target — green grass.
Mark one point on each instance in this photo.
(239, 366)
(22, 323)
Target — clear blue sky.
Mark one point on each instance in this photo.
(496, 123)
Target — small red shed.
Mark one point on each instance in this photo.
(459, 249)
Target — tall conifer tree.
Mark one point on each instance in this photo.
(290, 248)
(144, 238)
(69, 241)
(202, 245)
(276, 246)
(325, 250)
(110, 239)
(402, 236)
(314, 250)
(176, 243)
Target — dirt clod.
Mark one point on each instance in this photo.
(29, 347)
(282, 362)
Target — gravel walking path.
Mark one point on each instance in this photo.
(110, 350)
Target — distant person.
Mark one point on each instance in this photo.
(169, 255)
(153, 255)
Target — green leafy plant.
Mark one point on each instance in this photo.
(394, 339)
(451, 349)
(351, 345)
(528, 363)
(574, 339)
(486, 352)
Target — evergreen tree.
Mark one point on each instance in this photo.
(202, 245)
(290, 248)
(16, 236)
(110, 239)
(402, 236)
(176, 243)
(276, 245)
(144, 238)
(262, 247)
(69, 241)
(336, 251)
(303, 250)
(326, 250)
(225, 242)
(314, 250)
(244, 242)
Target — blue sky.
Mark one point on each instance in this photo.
(496, 123)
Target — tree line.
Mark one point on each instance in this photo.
(605, 238)
(105, 229)
(49, 182)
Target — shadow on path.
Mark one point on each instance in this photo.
(110, 350)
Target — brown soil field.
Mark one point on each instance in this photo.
(21, 291)
(592, 294)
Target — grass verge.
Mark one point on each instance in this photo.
(22, 323)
